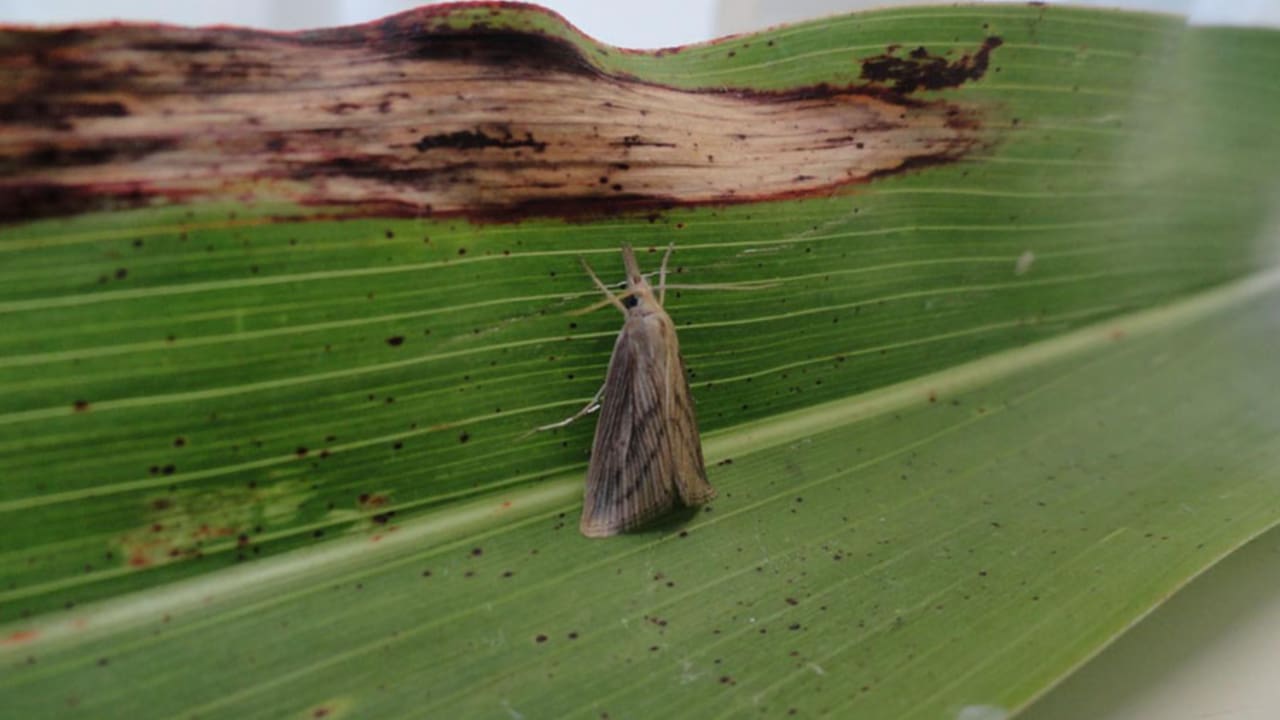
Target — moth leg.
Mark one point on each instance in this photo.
(662, 276)
(604, 288)
(590, 407)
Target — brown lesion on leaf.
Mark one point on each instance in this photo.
(500, 137)
(404, 116)
(919, 69)
(376, 508)
(183, 524)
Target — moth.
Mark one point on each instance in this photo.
(647, 455)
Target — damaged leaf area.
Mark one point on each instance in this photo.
(186, 524)
(410, 116)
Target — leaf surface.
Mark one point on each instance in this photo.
(988, 389)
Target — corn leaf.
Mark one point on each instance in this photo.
(980, 317)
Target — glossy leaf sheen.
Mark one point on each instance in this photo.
(987, 416)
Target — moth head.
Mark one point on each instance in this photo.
(639, 298)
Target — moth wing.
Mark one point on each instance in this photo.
(631, 476)
(690, 472)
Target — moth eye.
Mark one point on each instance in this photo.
(631, 301)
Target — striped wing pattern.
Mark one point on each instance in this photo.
(647, 453)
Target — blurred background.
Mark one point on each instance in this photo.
(648, 24)
(1210, 653)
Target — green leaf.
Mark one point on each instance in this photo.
(972, 410)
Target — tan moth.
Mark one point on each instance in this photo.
(647, 455)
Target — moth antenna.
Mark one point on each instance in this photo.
(662, 275)
(601, 303)
(604, 289)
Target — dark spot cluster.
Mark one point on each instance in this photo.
(477, 140)
(100, 152)
(922, 70)
(45, 112)
(630, 141)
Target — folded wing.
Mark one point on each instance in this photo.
(647, 453)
